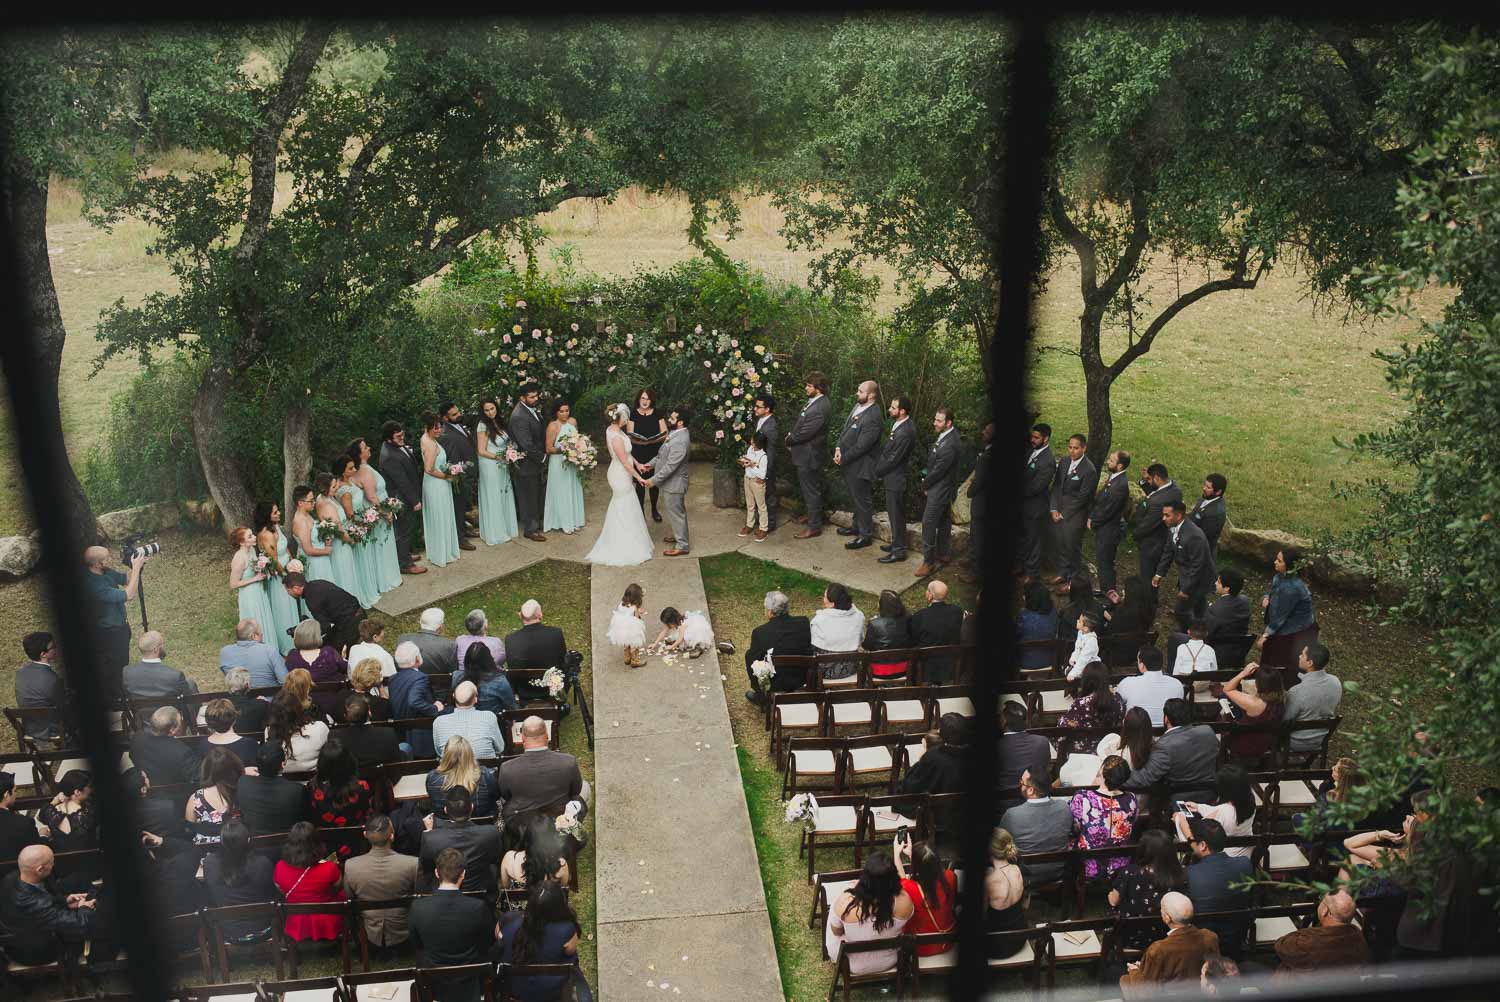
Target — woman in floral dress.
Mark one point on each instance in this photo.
(1105, 816)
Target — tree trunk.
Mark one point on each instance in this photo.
(296, 452)
(1097, 382)
(225, 482)
(26, 212)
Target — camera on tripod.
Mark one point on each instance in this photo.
(572, 668)
(138, 544)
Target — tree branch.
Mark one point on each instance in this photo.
(1140, 235)
(1088, 266)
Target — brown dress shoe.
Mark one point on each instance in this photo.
(413, 569)
(923, 571)
(464, 544)
(674, 552)
(760, 535)
(536, 537)
(745, 530)
(808, 534)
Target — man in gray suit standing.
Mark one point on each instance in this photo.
(528, 432)
(891, 468)
(855, 455)
(1036, 490)
(1072, 493)
(1107, 517)
(458, 442)
(1190, 551)
(941, 487)
(669, 472)
(1146, 526)
(808, 441)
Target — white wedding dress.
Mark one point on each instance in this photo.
(625, 540)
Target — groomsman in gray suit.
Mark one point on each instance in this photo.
(941, 487)
(1209, 513)
(403, 478)
(458, 442)
(1072, 493)
(529, 434)
(1107, 517)
(1188, 548)
(855, 455)
(891, 469)
(765, 424)
(808, 440)
(1146, 524)
(669, 472)
(1036, 491)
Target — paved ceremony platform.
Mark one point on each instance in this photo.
(680, 905)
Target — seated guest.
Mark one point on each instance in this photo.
(1019, 753)
(1136, 738)
(1334, 944)
(1039, 824)
(1195, 655)
(319, 660)
(459, 768)
(269, 802)
(38, 915)
(466, 720)
(1081, 602)
(250, 711)
(38, 686)
(338, 797)
(1184, 760)
(1105, 816)
(938, 625)
(1149, 688)
(411, 697)
(381, 874)
(449, 928)
(785, 634)
(148, 677)
(476, 631)
(1129, 619)
(155, 816)
(371, 641)
(1211, 884)
(1228, 618)
(217, 799)
(835, 628)
(17, 831)
(535, 644)
(437, 650)
(364, 681)
(1176, 957)
(540, 779)
(233, 874)
(1234, 810)
(941, 768)
(300, 739)
(251, 652)
(540, 853)
(1316, 697)
(1375, 851)
(298, 689)
(221, 718)
(480, 668)
(1096, 705)
(370, 744)
(455, 829)
(1287, 602)
(1004, 885)
(304, 875)
(158, 753)
(888, 631)
(1256, 715)
(933, 889)
(1136, 890)
(1036, 622)
(1344, 779)
(544, 932)
(71, 817)
(874, 908)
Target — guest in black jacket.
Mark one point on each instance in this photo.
(370, 744)
(449, 929)
(1228, 622)
(941, 769)
(940, 624)
(535, 644)
(480, 845)
(251, 712)
(34, 910)
(17, 831)
(269, 802)
(1020, 752)
(159, 753)
(785, 634)
(337, 612)
(890, 630)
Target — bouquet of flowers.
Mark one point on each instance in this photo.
(568, 822)
(328, 529)
(295, 566)
(357, 531)
(513, 455)
(802, 809)
(580, 451)
(370, 517)
(270, 568)
(763, 670)
(551, 680)
(455, 473)
(390, 508)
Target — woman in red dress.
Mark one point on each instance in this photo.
(933, 889)
(304, 875)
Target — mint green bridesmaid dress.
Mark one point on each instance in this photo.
(385, 542)
(438, 527)
(497, 502)
(366, 566)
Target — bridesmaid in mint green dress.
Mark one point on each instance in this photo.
(345, 575)
(563, 508)
(438, 526)
(317, 556)
(248, 584)
(271, 541)
(383, 542)
(497, 502)
(366, 567)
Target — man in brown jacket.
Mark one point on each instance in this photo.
(379, 874)
(1178, 956)
(1333, 942)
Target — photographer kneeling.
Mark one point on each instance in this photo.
(108, 591)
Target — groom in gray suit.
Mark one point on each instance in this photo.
(941, 487)
(528, 432)
(669, 471)
(808, 441)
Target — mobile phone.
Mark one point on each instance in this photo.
(902, 835)
(1183, 808)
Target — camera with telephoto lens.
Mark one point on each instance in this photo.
(572, 667)
(139, 544)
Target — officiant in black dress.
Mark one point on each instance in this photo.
(647, 432)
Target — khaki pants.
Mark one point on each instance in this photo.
(755, 501)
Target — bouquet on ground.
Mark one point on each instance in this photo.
(764, 670)
(580, 451)
(455, 473)
(390, 508)
(328, 529)
(802, 809)
(552, 680)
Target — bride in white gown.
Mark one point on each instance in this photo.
(625, 539)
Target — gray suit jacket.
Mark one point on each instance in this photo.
(1147, 521)
(895, 454)
(670, 468)
(941, 481)
(530, 436)
(1195, 564)
(1036, 489)
(1211, 520)
(772, 430)
(402, 470)
(143, 679)
(809, 435)
(458, 442)
(1073, 494)
(538, 780)
(439, 656)
(1109, 506)
(858, 441)
(1184, 758)
(1040, 826)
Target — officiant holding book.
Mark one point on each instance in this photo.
(647, 432)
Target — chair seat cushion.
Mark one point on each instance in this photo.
(904, 711)
(798, 715)
(1294, 793)
(1066, 949)
(836, 820)
(366, 993)
(887, 820)
(1269, 930)
(877, 759)
(938, 961)
(852, 713)
(1286, 857)
(1055, 701)
(412, 787)
(833, 888)
(1021, 958)
(914, 752)
(962, 705)
(848, 681)
(813, 762)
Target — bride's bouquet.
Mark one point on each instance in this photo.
(580, 451)
(802, 809)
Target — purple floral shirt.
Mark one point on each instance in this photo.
(1102, 821)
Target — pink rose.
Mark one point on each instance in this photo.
(719, 435)
(575, 328)
(611, 368)
(536, 332)
(707, 364)
(734, 344)
(736, 391)
(505, 358)
(548, 341)
(520, 304)
(698, 329)
(505, 339)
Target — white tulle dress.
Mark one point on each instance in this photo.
(625, 540)
(626, 629)
(696, 631)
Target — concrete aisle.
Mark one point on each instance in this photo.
(680, 907)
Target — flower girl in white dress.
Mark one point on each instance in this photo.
(691, 632)
(626, 628)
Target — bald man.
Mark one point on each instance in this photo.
(535, 644)
(855, 455)
(540, 779)
(937, 625)
(1335, 942)
(150, 677)
(466, 720)
(39, 914)
(1178, 957)
(108, 592)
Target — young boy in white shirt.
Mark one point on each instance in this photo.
(1085, 648)
(1195, 655)
(755, 461)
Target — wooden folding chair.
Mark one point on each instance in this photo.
(850, 708)
(1075, 943)
(881, 817)
(1316, 758)
(509, 974)
(64, 969)
(511, 721)
(868, 757)
(343, 909)
(837, 826)
(951, 699)
(268, 912)
(902, 709)
(802, 712)
(358, 987)
(892, 973)
(433, 982)
(325, 989)
(814, 758)
(242, 991)
(827, 887)
(408, 780)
